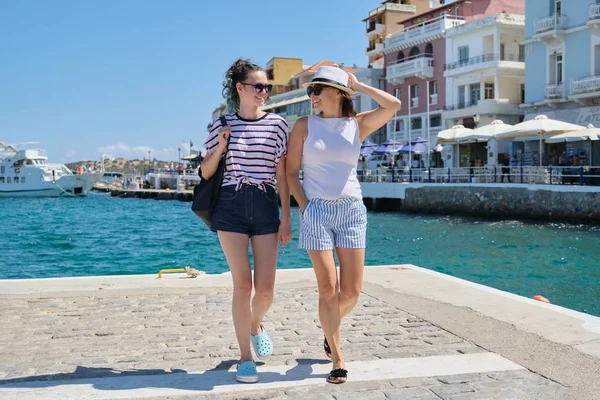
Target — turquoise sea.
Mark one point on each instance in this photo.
(100, 235)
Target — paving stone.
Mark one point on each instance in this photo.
(410, 394)
(141, 333)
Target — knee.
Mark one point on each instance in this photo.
(264, 290)
(328, 292)
(243, 288)
(350, 294)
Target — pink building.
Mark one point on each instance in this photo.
(415, 58)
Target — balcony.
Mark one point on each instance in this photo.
(460, 106)
(594, 18)
(554, 92)
(421, 67)
(504, 61)
(375, 29)
(407, 8)
(594, 11)
(374, 49)
(481, 107)
(585, 88)
(422, 33)
(433, 99)
(551, 29)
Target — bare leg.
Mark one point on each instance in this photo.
(235, 247)
(264, 250)
(352, 266)
(329, 311)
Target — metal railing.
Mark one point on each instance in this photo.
(594, 11)
(461, 106)
(547, 175)
(586, 85)
(423, 30)
(550, 23)
(554, 91)
(482, 59)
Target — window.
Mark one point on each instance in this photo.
(463, 54)
(502, 53)
(559, 69)
(398, 93)
(2, 170)
(399, 126)
(488, 89)
(457, 12)
(1, 179)
(433, 87)
(416, 123)
(435, 121)
(522, 93)
(558, 7)
(16, 179)
(475, 93)
(415, 96)
(521, 52)
(433, 91)
(461, 96)
(8, 180)
(22, 179)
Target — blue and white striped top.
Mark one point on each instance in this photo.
(255, 149)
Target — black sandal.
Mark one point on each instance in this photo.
(337, 376)
(327, 348)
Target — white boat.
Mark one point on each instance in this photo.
(27, 173)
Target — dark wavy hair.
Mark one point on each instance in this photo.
(348, 110)
(238, 72)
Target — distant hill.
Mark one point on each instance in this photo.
(121, 165)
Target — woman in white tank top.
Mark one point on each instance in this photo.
(326, 147)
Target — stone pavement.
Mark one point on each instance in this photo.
(138, 337)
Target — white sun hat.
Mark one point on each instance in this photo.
(331, 76)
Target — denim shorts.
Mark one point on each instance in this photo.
(329, 224)
(249, 210)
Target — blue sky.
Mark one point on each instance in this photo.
(84, 78)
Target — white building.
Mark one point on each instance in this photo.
(485, 74)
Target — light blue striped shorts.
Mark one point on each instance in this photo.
(327, 224)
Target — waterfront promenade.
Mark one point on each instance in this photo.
(415, 334)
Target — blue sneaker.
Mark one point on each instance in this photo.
(246, 372)
(263, 347)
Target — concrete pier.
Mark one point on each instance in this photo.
(415, 334)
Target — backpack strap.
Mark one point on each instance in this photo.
(223, 121)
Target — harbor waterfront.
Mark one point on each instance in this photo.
(100, 235)
(566, 203)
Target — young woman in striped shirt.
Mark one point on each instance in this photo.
(248, 210)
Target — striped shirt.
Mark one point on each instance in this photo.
(255, 149)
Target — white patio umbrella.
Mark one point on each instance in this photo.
(590, 133)
(449, 135)
(486, 132)
(539, 126)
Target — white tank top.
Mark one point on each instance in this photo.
(329, 159)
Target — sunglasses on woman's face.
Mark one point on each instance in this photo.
(315, 89)
(259, 87)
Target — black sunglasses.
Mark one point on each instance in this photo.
(315, 89)
(259, 87)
